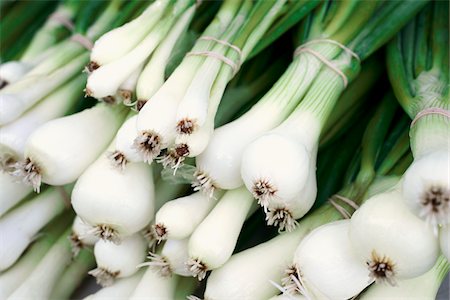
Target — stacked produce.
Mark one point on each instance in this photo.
(232, 149)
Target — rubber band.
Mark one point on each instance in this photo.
(430, 111)
(323, 59)
(234, 66)
(346, 49)
(62, 19)
(222, 42)
(224, 59)
(82, 40)
(341, 209)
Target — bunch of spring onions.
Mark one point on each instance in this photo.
(139, 139)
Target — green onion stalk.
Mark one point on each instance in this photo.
(189, 116)
(247, 274)
(338, 37)
(73, 275)
(13, 277)
(198, 108)
(19, 23)
(57, 26)
(66, 60)
(418, 67)
(119, 57)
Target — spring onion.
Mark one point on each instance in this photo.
(423, 287)
(418, 68)
(156, 119)
(20, 226)
(172, 259)
(13, 136)
(16, 103)
(121, 40)
(121, 204)
(60, 150)
(106, 80)
(382, 248)
(124, 151)
(12, 192)
(213, 241)
(40, 282)
(177, 219)
(325, 259)
(121, 288)
(152, 285)
(12, 278)
(73, 275)
(118, 260)
(153, 74)
(82, 236)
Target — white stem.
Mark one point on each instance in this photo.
(11, 279)
(426, 187)
(128, 87)
(326, 261)
(124, 151)
(424, 287)
(121, 40)
(12, 71)
(246, 274)
(221, 160)
(40, 282)
(177, 219)
(214, 240)
(157, 119)
(118, 260)
(380, 231)
(13, 136)
(105, 80)
(60, 150)
(121, 289)
(12, 192)
(172, 260)
(154, 286)
(152, 77)
(19, 227)
(15, 104)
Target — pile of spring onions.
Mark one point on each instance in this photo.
(235, 149)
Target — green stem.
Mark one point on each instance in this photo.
(73, 275)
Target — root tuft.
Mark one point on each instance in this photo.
(118, 160)
(175, 157)
(160, 232)
(197, 268)
(29, 172)
(158, 263)
(382, 269)
(92, 66)
(105, 232)
(264, 192)
(435, 205)
(103, 276)
(282, 218)
(148, 144)
(76, 244)
(203, 182)
(186, 126)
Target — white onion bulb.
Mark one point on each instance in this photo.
(393, 242)
(118, 261)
